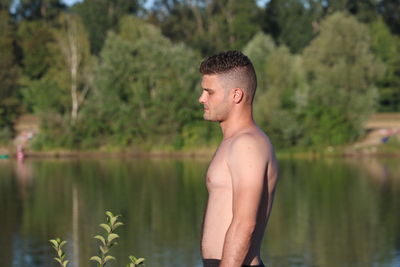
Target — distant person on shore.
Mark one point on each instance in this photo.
(243, 173)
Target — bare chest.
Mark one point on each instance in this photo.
(218, 175)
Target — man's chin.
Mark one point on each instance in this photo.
(208, 118)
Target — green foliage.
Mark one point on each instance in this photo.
(387, 49)
(209, 26)
(33, 40)
(61, 88)
(364, 10)
(40, 91)
(277, 103)
(43, 95)
(135, 261)
(38, 9)
(291, 22)
(389, 10)
(57, 245)
(341, 72)
(9, 73)
(100, 16)
(5, 4)
(323, 96)
(106, 243)
(72, 70)
(99, 79)
(145, 86)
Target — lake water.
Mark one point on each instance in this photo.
(331, 212)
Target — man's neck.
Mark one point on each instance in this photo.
(235, 124)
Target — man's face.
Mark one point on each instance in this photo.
(214, 98)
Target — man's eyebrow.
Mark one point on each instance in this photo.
(208, 89)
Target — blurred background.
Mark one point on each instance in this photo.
(99, 77)
(111, 75)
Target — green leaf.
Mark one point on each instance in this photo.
(101, 238)
(62, 244)
(109, 214)
(96, 258)
(106, 227)
(107, 258)
(111, 237)
(116, 225)
(140, 260)
(112, 221)
(58, 260)
(65, 263)
(136, 261)
(54, 243)
(104, 249)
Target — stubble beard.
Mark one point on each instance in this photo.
(218, 114)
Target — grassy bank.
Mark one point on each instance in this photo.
(358, 149)
(391, 149)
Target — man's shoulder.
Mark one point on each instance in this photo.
(252, 141)
(253, 137)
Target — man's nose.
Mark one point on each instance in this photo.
(202, 98)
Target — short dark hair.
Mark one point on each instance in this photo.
(235, 62)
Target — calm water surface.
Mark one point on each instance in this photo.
(332, 212)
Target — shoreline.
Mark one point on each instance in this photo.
(205, 152)
(96, 154)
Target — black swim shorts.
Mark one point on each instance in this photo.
(215, 263)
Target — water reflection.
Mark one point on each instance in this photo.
(23, 176)
(336, 212)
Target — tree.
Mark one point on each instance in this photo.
(292, 23)
(145, 87)
(387, 48)
(9, 73)
(207, 25)
(72, 42)
(280, 81)
(38, 9)
(57, 77)
(39, 57)
(364, 10)
(295, 23)
(341, 72)
(100, 16)
(33, 40)
(390, 10)
(5, 5)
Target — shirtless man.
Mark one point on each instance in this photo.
(243, 173)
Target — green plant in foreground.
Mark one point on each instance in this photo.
(57, 245)
(106, 242)
(135, 261)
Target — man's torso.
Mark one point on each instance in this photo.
(219, 214)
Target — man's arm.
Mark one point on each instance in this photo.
(247, 163)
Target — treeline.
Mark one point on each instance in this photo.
(112, 74)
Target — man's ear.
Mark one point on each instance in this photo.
(238, 95)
